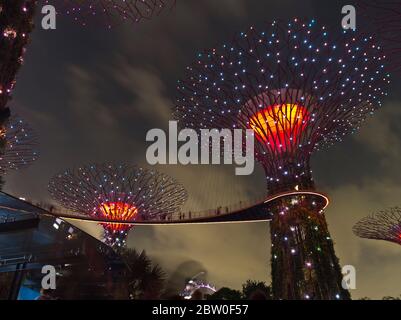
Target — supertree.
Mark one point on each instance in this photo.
(111, 12)
(19, 145)
(117, 193)
(299, 90)
(384, 225)
(16, 24)
(383, 18)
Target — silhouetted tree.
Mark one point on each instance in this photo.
(226, 294)
(384, 298)
(391, 298)
(254, 290)
(5, 284)
(144, 280)
(81, 283)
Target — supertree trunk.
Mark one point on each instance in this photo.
(115, 238)
(304, 264)
(16, 23)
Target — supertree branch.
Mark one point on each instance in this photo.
(16, 22)
(117, 193)
(19, 145)
(383, 19)
(384, 225)
(111, 12)
(292, 84)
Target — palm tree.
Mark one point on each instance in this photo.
(144, 280)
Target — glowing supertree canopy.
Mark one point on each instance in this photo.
(117, 193)
(111, 11)
(384, 225)
(17, 22)
(19, 145)
(292, 84)
(300, 90)
(383, 18)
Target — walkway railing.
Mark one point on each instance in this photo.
(196, 216)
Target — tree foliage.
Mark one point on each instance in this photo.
(251, 290)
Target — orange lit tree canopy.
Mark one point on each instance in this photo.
(279, 126)
(296, 85)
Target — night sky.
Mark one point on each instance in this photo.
(92, 94)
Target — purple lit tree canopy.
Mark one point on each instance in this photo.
(111, 12)
(384, 225)
(19, 145)
(383, 18)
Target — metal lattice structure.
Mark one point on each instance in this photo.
(16, 23)
(299, 89)
(293, 84)
(111, 12)
(384, 225)
(117, 193)
(19, 145)
(383, 18)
